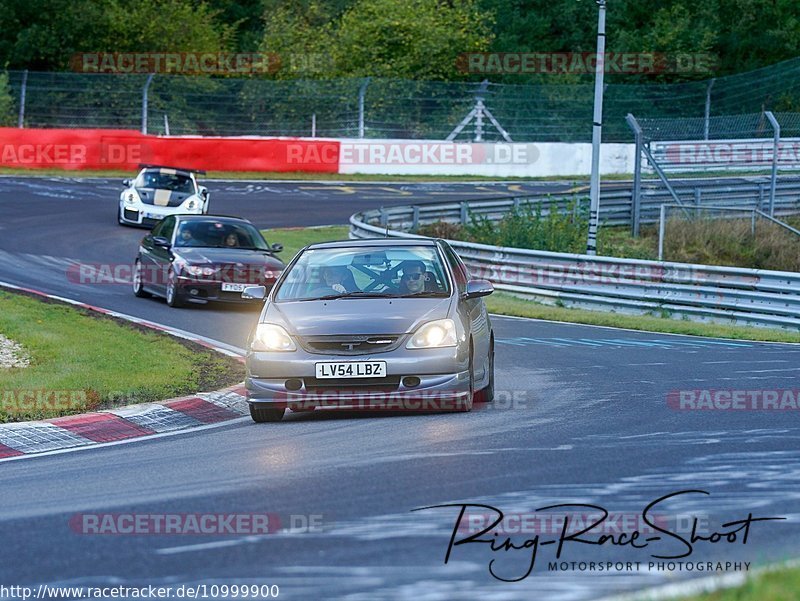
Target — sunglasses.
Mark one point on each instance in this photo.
(412, 276)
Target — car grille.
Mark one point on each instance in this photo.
(387, 384)
(349, 345)
(130, 215)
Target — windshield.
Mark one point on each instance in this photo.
(161, 180)
(220, 234)
(403, 271)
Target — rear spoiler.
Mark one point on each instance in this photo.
(148, 166)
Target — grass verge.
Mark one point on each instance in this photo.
(500, 303)
(778, 585)
(82, 361)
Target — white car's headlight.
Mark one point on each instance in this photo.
(130, 198)
(434, 334)
(191, 204)
(272, 337)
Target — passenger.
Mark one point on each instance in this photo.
(231, 240)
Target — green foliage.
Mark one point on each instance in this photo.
(6, 102)
(562, 228)
(418, 39)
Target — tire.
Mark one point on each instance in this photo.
(137, 281)
(487, 394)
(174, 298)
(467, 406)
(263, 415)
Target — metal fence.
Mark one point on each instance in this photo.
(616, 203)
(382, 108)
(697, 292)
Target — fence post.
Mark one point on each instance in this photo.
(776, 128)
(166, 125)
(415, 218)
(144, 102)
(313, 125)
(760, 196)
(464, 207)
(708, 108)
(697, 193)
(636, 196)
(362, 92)
(661, 229)
(22, 93)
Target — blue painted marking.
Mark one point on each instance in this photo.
(661, 343)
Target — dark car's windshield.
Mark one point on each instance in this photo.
(213, 233)
(365, 272)
(165, 179)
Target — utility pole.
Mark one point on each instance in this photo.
(597, 130)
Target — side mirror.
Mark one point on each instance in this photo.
(203, 191)
(126, 183)
(478, 288)
(276, 248)
(254, 293)
(161, 242)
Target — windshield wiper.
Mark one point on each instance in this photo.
(421, 294)
(354, 293)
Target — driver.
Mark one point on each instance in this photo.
(413, 278)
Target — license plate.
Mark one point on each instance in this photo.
(351, 369)
(151, 216)
(229, 287)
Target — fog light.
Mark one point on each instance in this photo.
(411, 381)
(294, 384)
(193, 291)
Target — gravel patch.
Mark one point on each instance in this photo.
(12, 354)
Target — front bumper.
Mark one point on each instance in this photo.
(198, 290)
(149, 215)
(443, 374)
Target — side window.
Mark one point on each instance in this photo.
(167, 227)
(459, 271)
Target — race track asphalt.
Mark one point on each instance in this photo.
(583, 415)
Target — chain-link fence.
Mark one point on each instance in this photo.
(391, 108)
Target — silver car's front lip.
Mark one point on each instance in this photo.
(399, 362)
(434, 393)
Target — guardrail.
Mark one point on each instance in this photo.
(697, 292)
(616, 204)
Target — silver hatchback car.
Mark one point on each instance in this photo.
(371, 324)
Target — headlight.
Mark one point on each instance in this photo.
(198, 270)
(130, 198)
(271, 337)
(191, 204)
(434, 334)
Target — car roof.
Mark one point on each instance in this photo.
(373, 242)
(168, 170)
(226, 218)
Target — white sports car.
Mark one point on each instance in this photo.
(160, 191)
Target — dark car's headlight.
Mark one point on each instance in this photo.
(199, 270)
(272, 337)
(434, 334)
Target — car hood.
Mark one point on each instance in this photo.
(162, 198)
(227, 256)
(357, 315)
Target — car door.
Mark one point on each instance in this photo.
(146, 258)
(161, 257)
(475, 314)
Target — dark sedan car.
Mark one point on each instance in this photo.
(201, 258)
